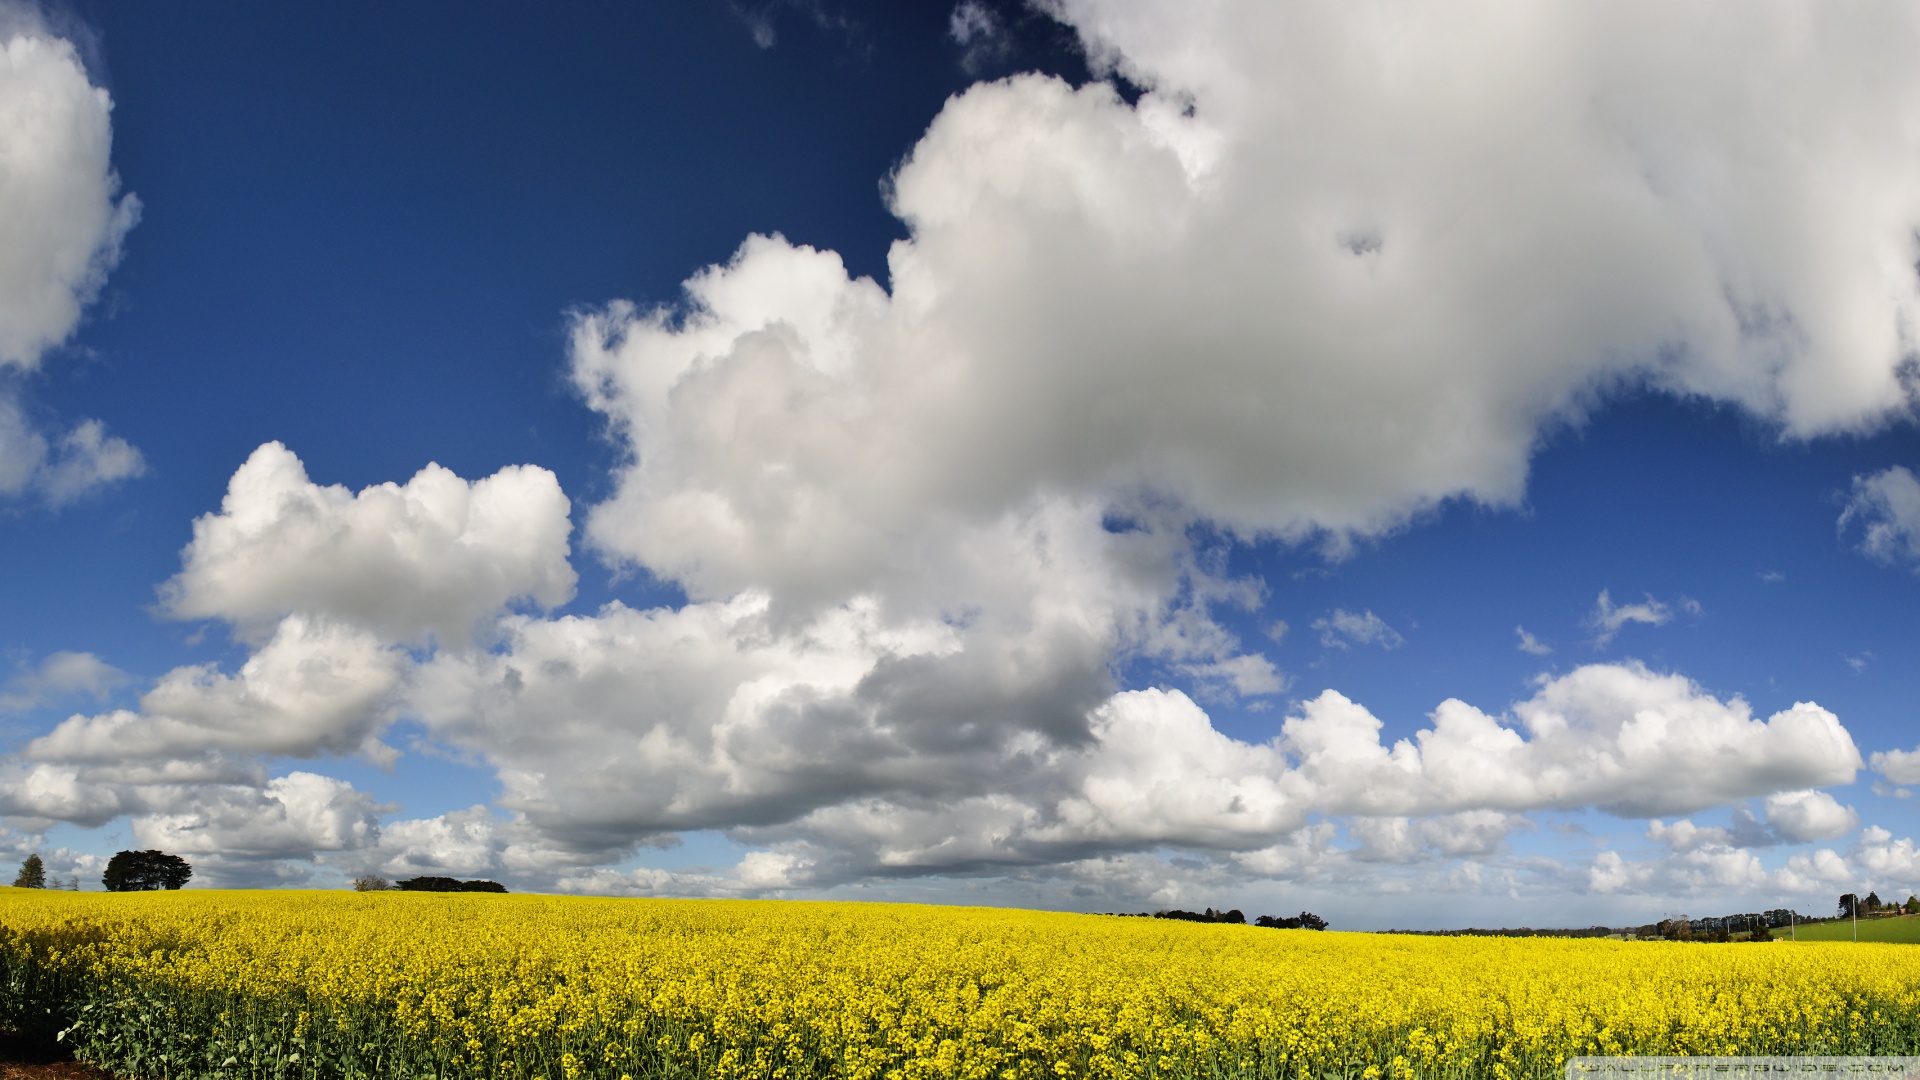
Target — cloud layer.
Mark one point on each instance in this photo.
(61, 214)
(62, 220)
(1336, 265)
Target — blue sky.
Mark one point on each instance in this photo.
(965, 582)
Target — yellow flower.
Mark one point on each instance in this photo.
(324, 984)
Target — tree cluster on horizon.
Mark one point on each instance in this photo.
(145, 871)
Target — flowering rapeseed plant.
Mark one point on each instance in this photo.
(292, 984)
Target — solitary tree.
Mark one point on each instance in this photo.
(143, 871)
(33, 874)
(1848, 902)
(370, 883)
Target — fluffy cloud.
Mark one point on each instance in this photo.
(1370, 285)
(60, 675)
(61, 219)
(315, 687)
(1684, 835)
(1472, 833)
(1714, 870)
(1822, 871)
(460, 843)
(1313, 282)
(1613, 736)
(327, 586)
(1899, 766)
(856, 751)
(187, 765)
(63, 469)
(1889, 861)
(1792, 817)
(430, 558)
(61, 224)
(1513, 137)
(1800, 816)
(1886, 506)
(1715, 860)
(240, 836)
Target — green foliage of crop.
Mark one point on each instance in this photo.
(211, 985)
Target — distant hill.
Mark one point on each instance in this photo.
(1901, 928)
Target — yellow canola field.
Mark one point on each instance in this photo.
(306, 984)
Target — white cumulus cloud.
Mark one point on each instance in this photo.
(239, 836)
(1713, 870)
(62, 220)
(64, 468)
(314, 687)
(60, 675)
(1614, 736)
(61, 215)
(1339, 264)
(1800, 816)
(432, 557)
(863, 751)
(1887, 860)
(1308, 321)
(1899, 766)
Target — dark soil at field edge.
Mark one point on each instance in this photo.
(22, 1058)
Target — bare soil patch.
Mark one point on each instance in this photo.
(23, 1058)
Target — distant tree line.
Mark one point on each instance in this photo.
(1306, 920)
(1208, 915)
(371, 883)
(1852, 907)
(128, 871)
(1719, 928)
(1757, 926)
(1524, 931)
(141, 871)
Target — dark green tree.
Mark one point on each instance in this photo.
(446, 884)
(33, 874)
(428, 884)
(142, 871)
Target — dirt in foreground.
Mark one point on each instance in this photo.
(33, 1059)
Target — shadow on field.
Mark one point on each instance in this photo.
(23, 1057)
